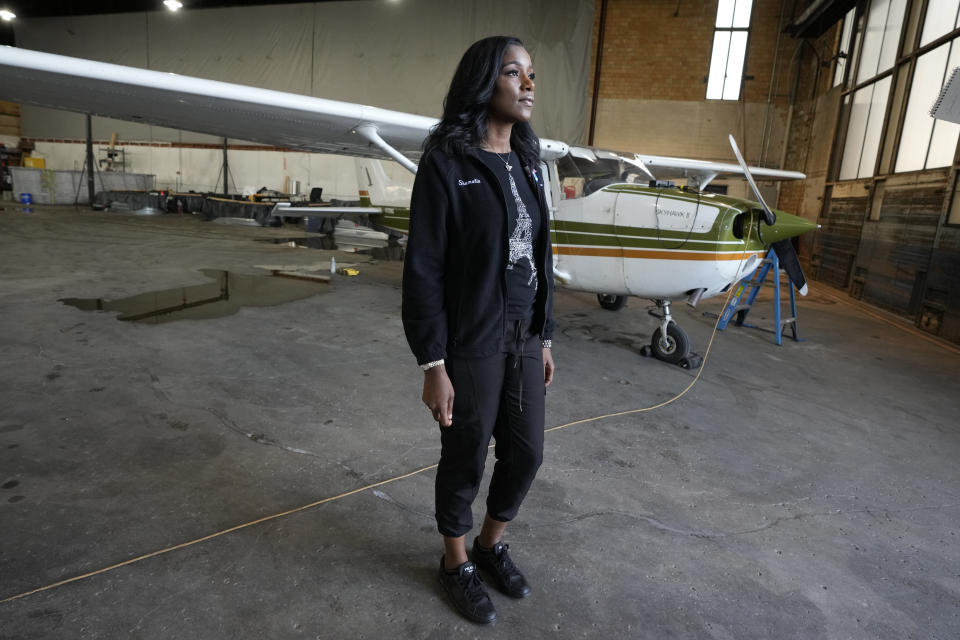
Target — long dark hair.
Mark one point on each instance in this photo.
(465, 109)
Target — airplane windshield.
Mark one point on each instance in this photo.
(584, 171)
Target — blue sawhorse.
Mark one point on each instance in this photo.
(749, 288)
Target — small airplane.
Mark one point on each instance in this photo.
(619, 227)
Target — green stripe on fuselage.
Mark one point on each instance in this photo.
(568, 232)
(394, 218)
(571, 227)
(642, 243)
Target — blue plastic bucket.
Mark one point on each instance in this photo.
(26, 198)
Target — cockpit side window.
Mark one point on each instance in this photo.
(571, 182)
(585, 170)
(631, 172)
(598, 173)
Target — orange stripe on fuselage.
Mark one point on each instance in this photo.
(651, 254)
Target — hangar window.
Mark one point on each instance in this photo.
(881, 38)
(867, 108)
(942, 18)
(905, 53)
(927, 143)
(867, 104)
(729, 49)
(843, 53)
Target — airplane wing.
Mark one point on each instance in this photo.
(218, 108)
(702, 172)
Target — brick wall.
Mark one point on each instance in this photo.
(652, 96)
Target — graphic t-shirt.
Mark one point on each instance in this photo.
(523, 227)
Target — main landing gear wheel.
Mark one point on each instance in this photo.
(611, 302)
(677, 347)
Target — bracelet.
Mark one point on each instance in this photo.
(431, 365)
(546, 344)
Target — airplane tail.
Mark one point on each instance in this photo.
(376, 188)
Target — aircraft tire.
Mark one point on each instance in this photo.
(611, 302)
(679, 345)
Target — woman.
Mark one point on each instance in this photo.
(478, 308)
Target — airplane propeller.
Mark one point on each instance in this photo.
(769, 216)
(787, 255)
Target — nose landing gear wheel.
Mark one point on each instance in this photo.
(677, 348)
(611, 302)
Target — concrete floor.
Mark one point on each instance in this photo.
(804, 491)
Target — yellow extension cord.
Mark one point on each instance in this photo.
(346, 494)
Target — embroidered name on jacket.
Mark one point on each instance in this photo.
(463, 183)
(521, 241)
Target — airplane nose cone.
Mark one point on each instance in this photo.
(786, 226)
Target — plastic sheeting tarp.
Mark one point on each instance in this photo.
(48, 186)
(398, 56)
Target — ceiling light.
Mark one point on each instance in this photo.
(6, 15)
(173, 5)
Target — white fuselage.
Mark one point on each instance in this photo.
(628, 240)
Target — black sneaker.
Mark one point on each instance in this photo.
(465, 589)
(497, 563)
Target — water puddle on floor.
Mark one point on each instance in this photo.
(224, 295)
(378, 249)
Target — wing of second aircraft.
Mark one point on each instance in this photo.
(207, 106)
(219, 108)
(261, 115)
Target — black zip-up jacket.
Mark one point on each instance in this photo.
(454, 271)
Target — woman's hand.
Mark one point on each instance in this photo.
(547, 367)
(438, 394)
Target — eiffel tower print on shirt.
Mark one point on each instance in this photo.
(521, 241)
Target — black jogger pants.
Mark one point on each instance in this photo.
(500, 396)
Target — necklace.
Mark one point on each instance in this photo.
(504, 160)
